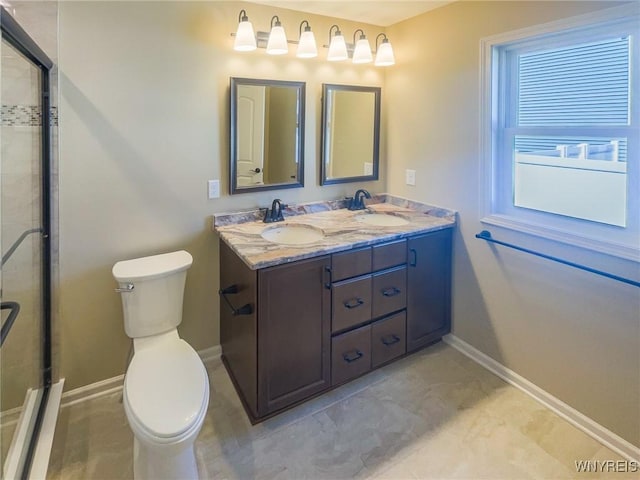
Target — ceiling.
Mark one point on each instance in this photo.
(376, 12)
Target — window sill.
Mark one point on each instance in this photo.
(626, 252)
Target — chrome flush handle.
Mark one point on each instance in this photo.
(126, 289)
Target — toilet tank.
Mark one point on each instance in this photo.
(154, 305)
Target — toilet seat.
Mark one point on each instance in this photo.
(166, 389)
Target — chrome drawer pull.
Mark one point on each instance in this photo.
(390, 340)
(391, 292)
(352, 356)
(353, 303)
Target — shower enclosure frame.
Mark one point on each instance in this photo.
(16, 36)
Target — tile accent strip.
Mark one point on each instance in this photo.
(25, 116)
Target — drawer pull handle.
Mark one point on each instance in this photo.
(350, 357)
(389, 340)
(327, 271)
(391, 292)
(414, 261)
(353, 303)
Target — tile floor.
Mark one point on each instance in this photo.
(433, 415)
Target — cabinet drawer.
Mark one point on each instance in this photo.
(350, 264)
(388, 339)
(351, 303)
(389, 291)
(350, 355)
(389, 255)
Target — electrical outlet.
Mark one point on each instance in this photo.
(214, 188)
(410, 177)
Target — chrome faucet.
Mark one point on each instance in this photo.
(357, 202)
(275, 214)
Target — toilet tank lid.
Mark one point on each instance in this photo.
(152, 266)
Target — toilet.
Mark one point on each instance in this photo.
(166, 388)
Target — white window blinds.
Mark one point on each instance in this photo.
(581, 85)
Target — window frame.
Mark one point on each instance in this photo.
(497, 168)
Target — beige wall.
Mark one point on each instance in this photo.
(144, 125)
(574, 334)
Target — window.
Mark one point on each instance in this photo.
(560, 131)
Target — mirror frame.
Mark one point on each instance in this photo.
(233, 150)
(326, 88)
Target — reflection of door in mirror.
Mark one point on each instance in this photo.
(267, 134)
(352, 129)
(251, 109)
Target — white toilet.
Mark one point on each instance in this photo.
(166, 388)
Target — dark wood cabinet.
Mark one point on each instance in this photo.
(294, 321)
(295, 330)
(428, 288)
(279, 352)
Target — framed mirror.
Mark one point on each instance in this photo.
(350, 133)
(267, 134)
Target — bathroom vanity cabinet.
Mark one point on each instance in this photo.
(294, 330)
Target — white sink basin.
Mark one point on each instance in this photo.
(381, 219)
(297, 234)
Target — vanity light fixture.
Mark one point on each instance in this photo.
(384, 52)
(337, 46)
(277, 44)
(245, 38)
(362, 50)
(307, 42)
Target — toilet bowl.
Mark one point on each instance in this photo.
(166, 388)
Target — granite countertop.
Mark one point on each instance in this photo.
(241, 231)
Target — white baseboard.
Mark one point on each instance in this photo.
(573, 416)
(114, 384)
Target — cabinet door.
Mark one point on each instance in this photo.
(294, 321)
(428, 288)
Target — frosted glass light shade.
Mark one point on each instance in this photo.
(245, 38)
(362, 52)
(384, 55)
(337, 49)
(277, 44)
(307, 45)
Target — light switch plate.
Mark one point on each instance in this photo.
(214, 188)
(410, 177)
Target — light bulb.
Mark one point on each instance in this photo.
(245, 38)
(337, 49)
(384, 55)
(307, 43)
(277, 44)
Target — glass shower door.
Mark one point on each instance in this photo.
(24, 271)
